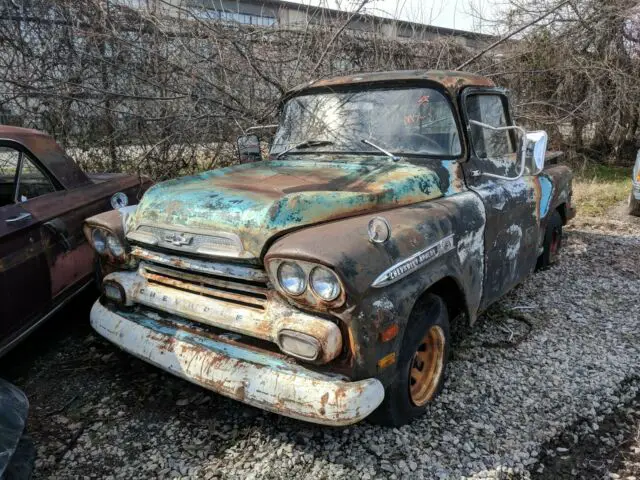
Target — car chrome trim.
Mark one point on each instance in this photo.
(188, 240)
(233, 270)
(414, 262)
(252, 376)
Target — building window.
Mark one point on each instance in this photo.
(235, 17)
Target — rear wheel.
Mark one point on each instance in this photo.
(633, 206)
(421, 366)
(552, 242)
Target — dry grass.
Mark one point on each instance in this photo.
(598, 188)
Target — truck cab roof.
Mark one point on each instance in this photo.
(450, 80)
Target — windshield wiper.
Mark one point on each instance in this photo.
(306, 144)
(387, 153)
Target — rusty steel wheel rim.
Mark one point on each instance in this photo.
(426, 366)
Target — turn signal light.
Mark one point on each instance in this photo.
(299, 345)
(114, 291)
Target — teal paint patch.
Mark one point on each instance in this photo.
(257, 201)
(546, 192)
(451, 166)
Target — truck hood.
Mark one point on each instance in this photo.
(254, 202)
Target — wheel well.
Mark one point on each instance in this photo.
(562, 210)
(453, 296)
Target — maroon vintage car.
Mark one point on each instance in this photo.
(44, 198)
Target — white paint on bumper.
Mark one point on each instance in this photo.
(249, 375)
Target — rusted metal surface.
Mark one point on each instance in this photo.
(114, 222)
(44, 258)
(368, 310)
(258, 379)
(224, 269)
(48, 152)
(258, 201)
(451, 80)
(261, 316)
(464, 236)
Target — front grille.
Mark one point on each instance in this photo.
(231, 290)
(234, 283)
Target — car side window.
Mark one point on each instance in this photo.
(32, 182)
(489, 109)
(9, 161)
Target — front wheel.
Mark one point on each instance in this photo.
(422, 363)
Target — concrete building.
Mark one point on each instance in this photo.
(269, 13)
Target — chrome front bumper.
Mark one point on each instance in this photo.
(252, 376)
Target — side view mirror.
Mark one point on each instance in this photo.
(536, 147)
(533, 144)
(249, 148)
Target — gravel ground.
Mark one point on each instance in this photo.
(538, 387)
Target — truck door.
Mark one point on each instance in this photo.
(24, 273)
(511, 233)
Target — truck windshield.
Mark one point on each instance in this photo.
(413, 121)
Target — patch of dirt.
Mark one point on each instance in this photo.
(620, 212)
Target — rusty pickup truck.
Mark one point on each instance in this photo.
(323, 282)
(44, 199)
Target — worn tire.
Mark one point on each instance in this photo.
(633, 207)
(552, 242)
(22, 461)
(398, 407)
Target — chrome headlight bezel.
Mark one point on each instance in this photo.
(115, 246)
(106, 242)
(309, 297)
(296, 274)
(98, 240)
(315, 281)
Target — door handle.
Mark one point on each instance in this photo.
(18, 218)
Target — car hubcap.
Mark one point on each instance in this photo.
(427, 366)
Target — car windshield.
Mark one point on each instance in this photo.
(413, 121)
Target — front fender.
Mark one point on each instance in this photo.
(555, 190)
(344, 245)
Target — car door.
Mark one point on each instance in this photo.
(24, 273)
(60, 214)
(512, 224)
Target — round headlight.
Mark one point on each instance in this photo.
(292, 278)
(324, 283)
(99, 241)
(115, 247)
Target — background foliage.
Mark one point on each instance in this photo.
(124, 89)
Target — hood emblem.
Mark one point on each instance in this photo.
(178, 239)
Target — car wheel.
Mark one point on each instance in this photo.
(421, 367)
(633, 206)
(552, 242)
